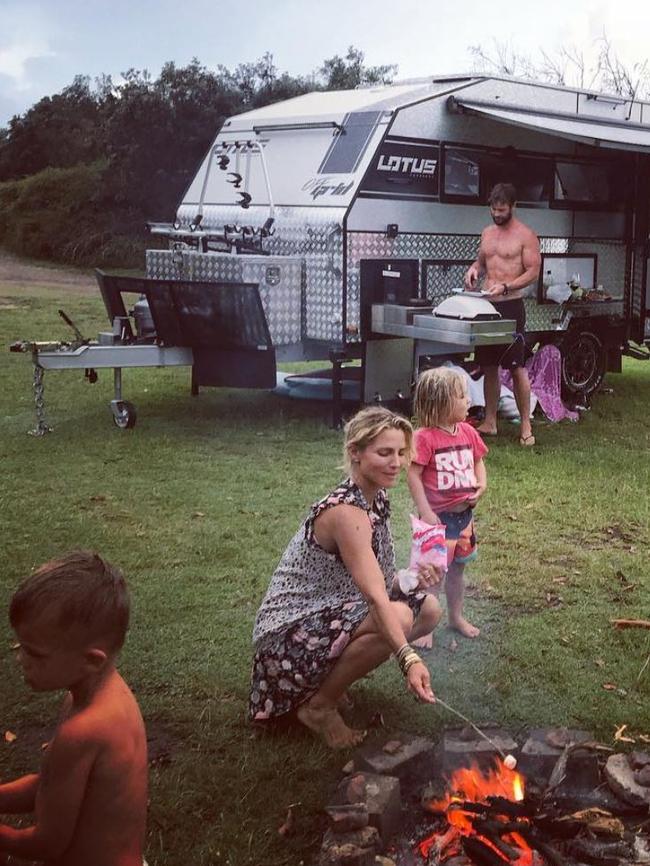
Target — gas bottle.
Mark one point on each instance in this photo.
(144, 324)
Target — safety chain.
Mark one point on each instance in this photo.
(41, 426)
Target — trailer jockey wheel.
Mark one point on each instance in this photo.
(583, 364)
(124, 414)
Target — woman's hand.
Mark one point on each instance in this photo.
(418, 682)
(429, 575)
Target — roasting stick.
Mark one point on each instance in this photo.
(509, 760)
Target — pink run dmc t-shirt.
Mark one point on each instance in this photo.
(448, 461)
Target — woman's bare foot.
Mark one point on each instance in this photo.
(345, 703)
(328, 724)
(464, 627)
(424, 642)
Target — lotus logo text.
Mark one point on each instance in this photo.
(407, 165)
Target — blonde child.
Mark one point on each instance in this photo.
(89, 800)
(447, 477)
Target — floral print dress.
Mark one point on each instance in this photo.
(312, 608)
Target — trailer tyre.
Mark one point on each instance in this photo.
(124, 414)
(583, 364)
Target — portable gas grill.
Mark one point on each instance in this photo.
(424, 336)
(464, 321)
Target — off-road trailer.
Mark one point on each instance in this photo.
(356, 212)
(335, 202)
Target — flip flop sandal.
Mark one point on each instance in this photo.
(527, 441)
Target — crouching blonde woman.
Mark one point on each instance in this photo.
(330, 614)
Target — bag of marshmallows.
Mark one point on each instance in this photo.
(428, 547)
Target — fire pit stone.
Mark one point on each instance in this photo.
(642, 776)
(620, 778)
(357, 848)
(397, 761)
(380, 796)
(460, 748)
(348, 816)
(638, 760)
(543, 748)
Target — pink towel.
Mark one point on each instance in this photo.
(544, 370)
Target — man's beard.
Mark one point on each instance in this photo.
(502, 220)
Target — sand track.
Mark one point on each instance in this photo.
(20, 272)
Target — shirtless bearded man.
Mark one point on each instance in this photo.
(509, 260)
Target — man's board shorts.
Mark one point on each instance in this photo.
(460, 535)
(508, 356)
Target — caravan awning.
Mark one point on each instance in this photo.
(596, 132)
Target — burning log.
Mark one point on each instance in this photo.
(549, 853)
(493, 831)
(494, 806)
(599, 853)
(435, 848)
(481, 853)
(503, 806)
(562, 801)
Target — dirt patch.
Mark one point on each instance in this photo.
(28, 745)
(15, 271)
(31, 739)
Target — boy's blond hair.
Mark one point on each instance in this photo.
(435, 392)
(369, 423)
(80, 593)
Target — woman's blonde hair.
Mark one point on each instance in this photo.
(435, 392)
(369, 423)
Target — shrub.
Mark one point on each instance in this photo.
(63, 214)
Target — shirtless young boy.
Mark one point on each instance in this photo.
(509, 258)
(90, 797)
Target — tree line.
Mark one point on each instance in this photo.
(83, 170)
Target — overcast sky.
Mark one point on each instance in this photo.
(45, 43)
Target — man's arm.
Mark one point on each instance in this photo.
(19, 796)
(475, 270)
(61, 789)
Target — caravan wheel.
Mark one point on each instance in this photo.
(124, 414)
(583, 363)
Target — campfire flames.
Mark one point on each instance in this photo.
(480, 825)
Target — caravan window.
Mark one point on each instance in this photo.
(350, 143)
(585, 183)
(471, 174)
(462, 173)
(532, 176)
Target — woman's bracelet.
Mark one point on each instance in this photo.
(401, 652)
(406, 658)
(411, 659)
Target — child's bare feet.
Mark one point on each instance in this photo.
(424, 642)
(328, 724)
(464, 627)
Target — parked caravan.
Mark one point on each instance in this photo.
(336, 203)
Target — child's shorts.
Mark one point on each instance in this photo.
(460, 535)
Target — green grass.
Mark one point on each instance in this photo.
(197, 503)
